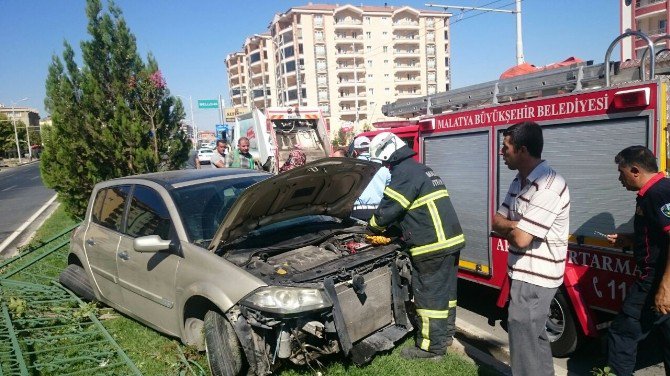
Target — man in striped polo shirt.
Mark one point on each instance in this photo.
(534, 218)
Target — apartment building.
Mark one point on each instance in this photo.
(647, 16)
(29, 116)
(348, 60)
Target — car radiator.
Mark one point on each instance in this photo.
(366, 303)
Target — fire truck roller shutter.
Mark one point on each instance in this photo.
(462, 161)
(583, 153)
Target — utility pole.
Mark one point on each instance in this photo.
(353, 49)
(16, 133)
(517, 11)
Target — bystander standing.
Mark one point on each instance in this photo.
(534, 218)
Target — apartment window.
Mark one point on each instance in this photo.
(386, 75)
(368, 34)
(387, 90)
(386, 61)
(371, 91)
(318, 20)
(662, 24)
(384, 18)
(369, 48)
(369, 63)
(385, 33)
(386, 49)
(318, 35)
(368, 20)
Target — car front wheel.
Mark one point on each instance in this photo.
(224, 352)
(74, 278)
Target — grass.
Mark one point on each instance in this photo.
(156, 354)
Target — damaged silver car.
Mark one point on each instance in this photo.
(255, 269)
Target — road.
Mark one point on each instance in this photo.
(22, 194)
(477, 311)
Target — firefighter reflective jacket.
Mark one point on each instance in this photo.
(417, 200)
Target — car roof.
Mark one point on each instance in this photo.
(173, 179)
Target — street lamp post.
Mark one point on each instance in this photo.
(16, 133)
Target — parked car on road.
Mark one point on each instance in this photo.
(256, 269)
(205, 155)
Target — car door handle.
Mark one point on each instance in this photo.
(123, 255)
(90, 241)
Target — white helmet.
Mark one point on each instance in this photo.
(383, 145)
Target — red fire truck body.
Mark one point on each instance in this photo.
(583, 129)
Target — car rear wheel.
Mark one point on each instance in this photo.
(562, 327)
(74, 278)
(224, 352)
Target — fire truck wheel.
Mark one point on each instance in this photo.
(562, 326)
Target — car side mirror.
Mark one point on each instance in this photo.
(151, 243)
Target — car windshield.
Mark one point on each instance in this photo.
(202, 207)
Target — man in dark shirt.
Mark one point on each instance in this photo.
(647, 304)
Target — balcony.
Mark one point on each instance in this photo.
(350, 68)
(430, 24)
(406, 52)
(351, 83)
(407, 67)
(407, 93)
(645, 3)
(349, 53)
(406, 25)
(348, 23)
(409, 39)
(416, 79)
(351, 110)
(352, 97)
(340, 38)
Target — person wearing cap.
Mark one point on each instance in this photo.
(369, 200)
(417, 202)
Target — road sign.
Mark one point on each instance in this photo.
(208, 103)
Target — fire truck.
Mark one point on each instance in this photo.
(588, 113)
(274, 132)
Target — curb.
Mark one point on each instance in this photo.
(27, 223)
(496, 356)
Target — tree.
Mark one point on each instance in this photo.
(112, 117)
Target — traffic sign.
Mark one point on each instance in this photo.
(208, 103)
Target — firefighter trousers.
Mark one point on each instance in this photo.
(434, 281)
(636, 321)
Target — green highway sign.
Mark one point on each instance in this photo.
(208, 103)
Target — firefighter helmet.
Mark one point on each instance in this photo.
(383, 145)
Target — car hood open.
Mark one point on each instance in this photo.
(328, 186)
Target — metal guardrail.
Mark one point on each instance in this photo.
(44, 328)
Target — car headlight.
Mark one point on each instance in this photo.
(287, 300)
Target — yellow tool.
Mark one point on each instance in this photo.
(377, 239)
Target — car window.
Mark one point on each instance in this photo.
(202, 207)
(147, 214)
(111, 209)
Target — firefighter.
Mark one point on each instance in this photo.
(647, 304)
(417, 202)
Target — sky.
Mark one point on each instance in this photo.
(191, 39)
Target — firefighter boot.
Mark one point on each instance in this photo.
(416, 353)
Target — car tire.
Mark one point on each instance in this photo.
(224, 352)
(562, 327)
(74, 278)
